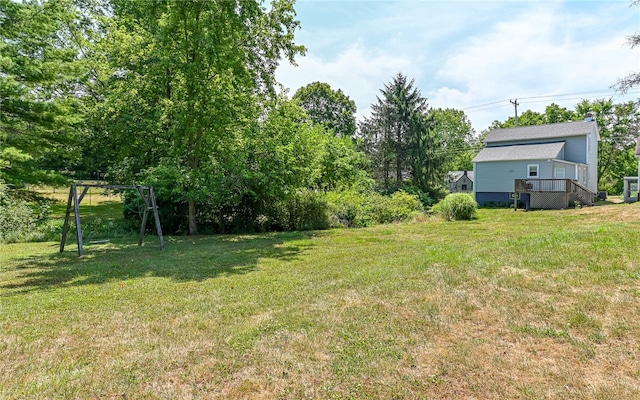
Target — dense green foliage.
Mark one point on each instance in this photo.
(412, 145)
(282, 158)
(397, 136)
(38, 73)
(182, 96)
(184, 91)
(355, 210)
(459, 143)
(24, 217)
(331, 108)
(457, 206)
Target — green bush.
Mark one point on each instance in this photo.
(16, 219)
(425, 198)
(346, 209)
(399, 206)
(303, 211)
(457, 206)
(355, 210)
(25, 217)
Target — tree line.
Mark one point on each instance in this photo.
(183, 95)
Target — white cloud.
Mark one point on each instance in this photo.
(543, 51)
(357, 72)
(465, 54)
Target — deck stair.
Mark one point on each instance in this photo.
(554, 193)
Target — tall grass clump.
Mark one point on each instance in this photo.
(456, 207)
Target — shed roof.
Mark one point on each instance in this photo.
(549, 131)
(521, 152)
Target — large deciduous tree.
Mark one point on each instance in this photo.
(331, 108)
(38, 73)
(186, 78)
(459, 143)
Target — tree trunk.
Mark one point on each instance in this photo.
(193, 224)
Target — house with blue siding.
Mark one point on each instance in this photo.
(559, 159)
(460, 181)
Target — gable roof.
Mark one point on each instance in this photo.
(521, 152)
(549, 131)
(454, 176)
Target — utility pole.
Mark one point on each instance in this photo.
(515, 104)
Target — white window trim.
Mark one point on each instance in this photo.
(537, 170)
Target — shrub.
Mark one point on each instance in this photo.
(399, 207)
(16, 219)
(24, 217)
(172, 213)
(346, 209)
(457, 206)
(425, 198)
(354, 210)
(303, 211)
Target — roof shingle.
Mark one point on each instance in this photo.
(549, 131)
(521, 152)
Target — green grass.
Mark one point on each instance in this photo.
(512, 305)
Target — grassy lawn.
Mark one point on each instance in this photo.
(513, 305)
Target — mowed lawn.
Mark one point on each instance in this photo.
(513, 305)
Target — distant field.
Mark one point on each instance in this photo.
(97, 201)
(513, 305)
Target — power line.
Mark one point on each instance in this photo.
(505, 103)
(569, 94)
(515, 104)
(550, 97)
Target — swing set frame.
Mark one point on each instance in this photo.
(146, 192)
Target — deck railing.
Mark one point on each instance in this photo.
(542, 185)
(573, 188)
(582, 194)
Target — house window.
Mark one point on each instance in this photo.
(532, 170)
(464, 187)
(558, 172)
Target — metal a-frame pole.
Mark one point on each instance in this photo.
(76, 209)
(65, 227)
(73, 199)
(145, 214)
(156, 217)
(149, 204)
(149, 199)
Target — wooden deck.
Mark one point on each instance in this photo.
(554, 193)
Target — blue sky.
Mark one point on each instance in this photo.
(469, 55)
